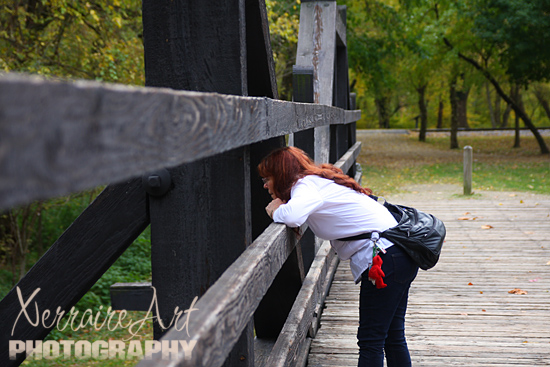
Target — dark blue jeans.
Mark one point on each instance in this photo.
(382, 313)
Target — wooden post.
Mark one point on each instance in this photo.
(302, 80)
(204, 223)
(468, 163)
(340, 134)
(304, 92)
(316, 45)
(353, 125)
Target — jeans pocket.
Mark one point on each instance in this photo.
(404, 268)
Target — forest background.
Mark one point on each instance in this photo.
(413, 63)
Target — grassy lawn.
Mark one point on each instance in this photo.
(391, 162)
(88, 333)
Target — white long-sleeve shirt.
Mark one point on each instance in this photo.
(334, 211)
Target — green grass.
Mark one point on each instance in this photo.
(386, 180)
(133, 266)
(90, 334)
(531, 177)
(497, 166)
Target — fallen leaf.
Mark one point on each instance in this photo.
(480, 292)
(517, 291)
(483, 311)
(521, 201)
(463, 218)
(470, 284)
(486, 226)
(466, 213)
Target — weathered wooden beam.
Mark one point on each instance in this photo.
(340, 135)
(303, 91)
(316, 47)
(327, 282)
(210, 202)
(61, 137)
(302, 83)
(262, 79)
(348, 159)
(225, 309)
(341, 28)
(131, 296)
(294, 333)
(74, 262)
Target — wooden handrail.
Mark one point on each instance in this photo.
(64, 137)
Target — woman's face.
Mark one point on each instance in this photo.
(268, 184)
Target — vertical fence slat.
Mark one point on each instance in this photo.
(316, 45)
(305, 140)
(204, 223)
(262, 79)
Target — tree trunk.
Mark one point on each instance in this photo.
(440, 113)
(516, 96)
(423, 112)
(383, 115)
(490, 105)
(454, 118)
(506, 114)
(541, 97)
(462, 108)
(497, 110)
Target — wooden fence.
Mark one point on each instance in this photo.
(180, 155)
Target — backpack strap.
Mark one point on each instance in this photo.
(362, 236)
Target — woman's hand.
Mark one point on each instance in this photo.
(272, 206)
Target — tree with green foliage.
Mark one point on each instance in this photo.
(284, 18)
(514, 35)
(374, 50)
(402, 48)
(98, 40)
(73, 39)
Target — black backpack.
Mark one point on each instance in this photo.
(419, 234)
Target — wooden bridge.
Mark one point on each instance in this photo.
(180, 155)
(470, 309)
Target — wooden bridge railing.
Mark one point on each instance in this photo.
(61, 137)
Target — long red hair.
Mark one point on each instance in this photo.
(287, 165)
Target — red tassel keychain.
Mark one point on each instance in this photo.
(376, 275)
